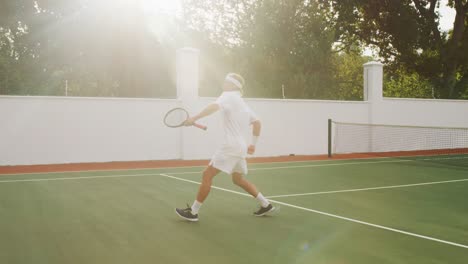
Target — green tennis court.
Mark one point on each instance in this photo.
(399, 210)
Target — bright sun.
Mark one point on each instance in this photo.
(171, 7)
(149, 7)
(160, 16)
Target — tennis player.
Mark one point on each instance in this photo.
(230, 157)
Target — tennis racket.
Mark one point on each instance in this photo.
(177, 117)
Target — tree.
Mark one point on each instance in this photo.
(272, 43)
(311, 48)
(103, 48)
(407, 34)
(402, 84)
(348, 74)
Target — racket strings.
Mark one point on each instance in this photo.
(176, 117)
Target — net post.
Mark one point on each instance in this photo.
(329, 138)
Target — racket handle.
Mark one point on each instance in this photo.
(200, 126)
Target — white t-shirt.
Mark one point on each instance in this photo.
(237, 117)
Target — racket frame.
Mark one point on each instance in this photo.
(182, 124)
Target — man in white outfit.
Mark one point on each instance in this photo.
(230, 157)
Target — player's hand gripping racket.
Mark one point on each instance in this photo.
(177, 117)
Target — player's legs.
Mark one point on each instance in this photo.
(231, 165)
(249, 187)
(208, 174)
(239, 180)
(191, 213)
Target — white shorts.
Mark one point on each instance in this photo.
(229, 164)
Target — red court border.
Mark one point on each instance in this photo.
(125, 165)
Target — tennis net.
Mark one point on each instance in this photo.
(396, 140)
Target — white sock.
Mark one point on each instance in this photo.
(263, 201)
(196, 207)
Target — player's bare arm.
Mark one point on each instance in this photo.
(257, 127)
(210, 109)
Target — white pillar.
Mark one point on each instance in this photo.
(187, 68)
(373, 94)
(187, 72)
(373, 81)
(373, 86)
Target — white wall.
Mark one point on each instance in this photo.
(46, 130)
(288, 126)
(422, 112)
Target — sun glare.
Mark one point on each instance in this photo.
(160, 16)
(149, 7)
(170, 7)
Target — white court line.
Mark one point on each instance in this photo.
(212, 186)
(255, 163)
(366, 189)
(333, 215)
(291, 167)
(332, 164)
(78, 178)
(184, 167)
(307, 166)
(253, 169)
(243, 194)
(198, 172)
(373, 225)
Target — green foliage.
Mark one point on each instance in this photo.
(274, 44)
(406, 33)
(311, 48)
(102, 48)
(407, 85)
(349, 76)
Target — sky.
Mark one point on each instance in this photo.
(447, 16)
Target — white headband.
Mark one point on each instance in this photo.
(234, 81)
